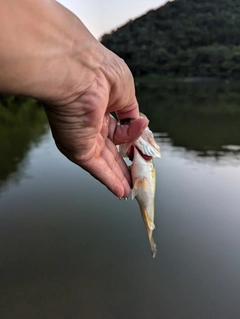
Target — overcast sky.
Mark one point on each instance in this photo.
(102, 16)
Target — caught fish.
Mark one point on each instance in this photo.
(143, 173)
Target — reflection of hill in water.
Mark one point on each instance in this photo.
(22, 123)
(227, 155)
(203, 117)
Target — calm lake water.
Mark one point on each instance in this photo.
(69, 249)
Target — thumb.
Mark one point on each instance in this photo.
(127, 133)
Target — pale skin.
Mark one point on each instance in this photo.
(47, 53)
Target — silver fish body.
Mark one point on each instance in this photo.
(144, 184)
(143, 173)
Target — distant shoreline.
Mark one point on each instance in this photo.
(151, 78)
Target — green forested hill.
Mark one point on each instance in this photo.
(183, 38)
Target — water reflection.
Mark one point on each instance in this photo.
(226, 155)
(203, 117)
(22, 123)
(69, 249)
(67, 244)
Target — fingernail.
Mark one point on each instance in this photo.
(125, 198)
(120, 198)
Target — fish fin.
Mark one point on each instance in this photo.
(134, 193)
(135, 188)
(151, 150)
(148, 145)
(147, 220)
(153, 246)
(150, 224)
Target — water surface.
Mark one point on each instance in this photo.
(70, 249)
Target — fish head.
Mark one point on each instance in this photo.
(145, 144)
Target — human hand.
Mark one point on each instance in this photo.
(57, 60)
(87, 134)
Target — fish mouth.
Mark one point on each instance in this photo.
(131, 153)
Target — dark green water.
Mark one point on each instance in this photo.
(70, 249)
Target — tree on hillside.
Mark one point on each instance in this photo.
(183, 38)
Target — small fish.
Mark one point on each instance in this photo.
(143, 173)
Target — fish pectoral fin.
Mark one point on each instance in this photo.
(135, 187)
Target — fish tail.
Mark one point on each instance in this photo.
(152, 244)
(150, 227)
